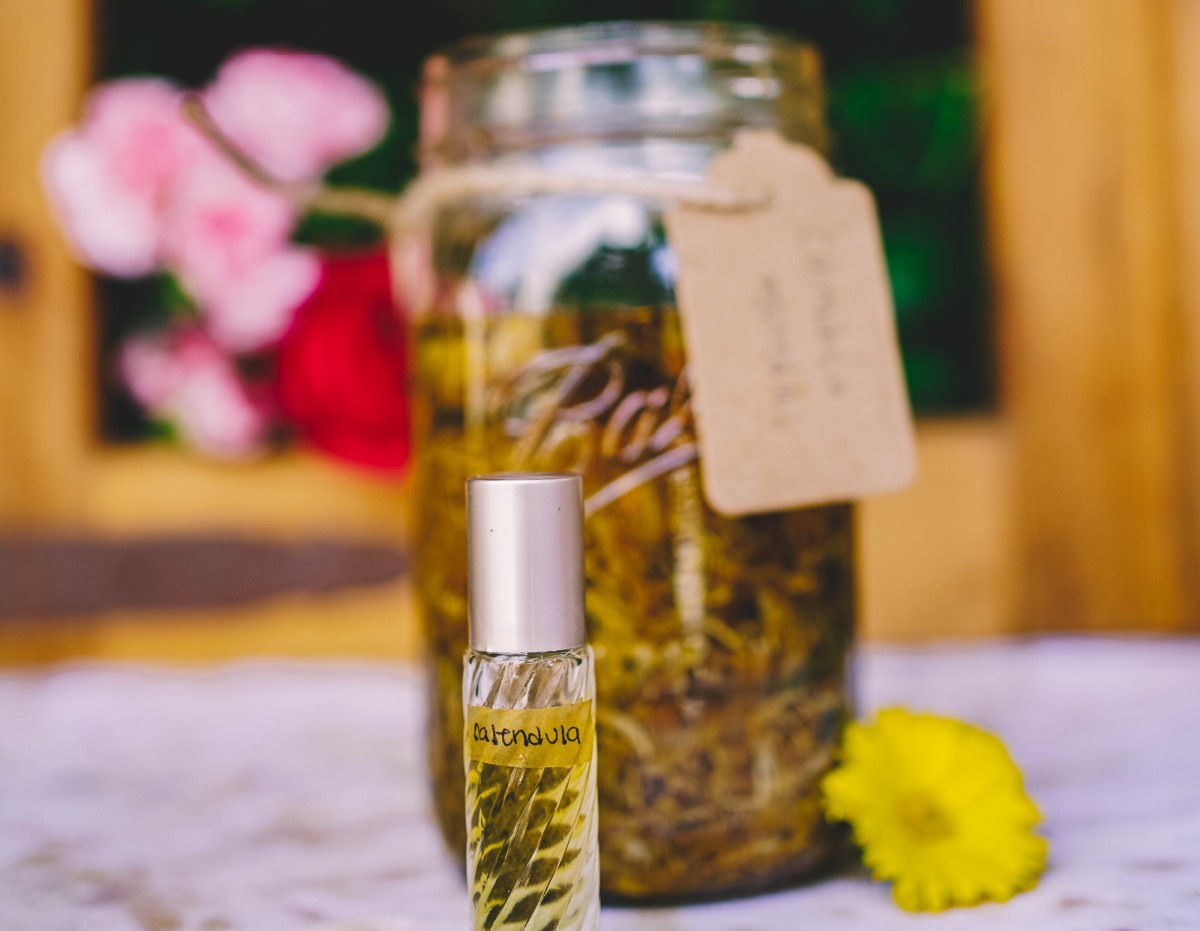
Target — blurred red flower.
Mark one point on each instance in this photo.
(343, 366)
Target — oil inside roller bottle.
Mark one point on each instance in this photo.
(531, 830)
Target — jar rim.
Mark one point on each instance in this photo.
(616, 41)
(514, 92)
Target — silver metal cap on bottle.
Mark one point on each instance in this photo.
(525, 562)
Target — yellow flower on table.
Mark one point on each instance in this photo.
(938, 808)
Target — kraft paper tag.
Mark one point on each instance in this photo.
(532, 737)
(792, 351)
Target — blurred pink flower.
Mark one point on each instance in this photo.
(110, 179)
(295, 113)
(228, 241)
(253, 310)
(150, 369)
(219, 224)
(182, 377)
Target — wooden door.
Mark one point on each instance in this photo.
(1075, 506)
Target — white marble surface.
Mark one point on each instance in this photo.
(289, 797)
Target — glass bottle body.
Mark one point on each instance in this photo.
(548, 339)
(532, 854)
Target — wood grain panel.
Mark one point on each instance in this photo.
(1081, 203)
(1184, 29)
(156, 489)
(45, 337)
(937, 558)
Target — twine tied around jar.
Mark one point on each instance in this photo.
(414, 209)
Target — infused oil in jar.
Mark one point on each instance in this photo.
(549, 339)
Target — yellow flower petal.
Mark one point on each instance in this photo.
(939, 809)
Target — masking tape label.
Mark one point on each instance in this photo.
(532, 737)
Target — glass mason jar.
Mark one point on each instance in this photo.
(547, 338)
